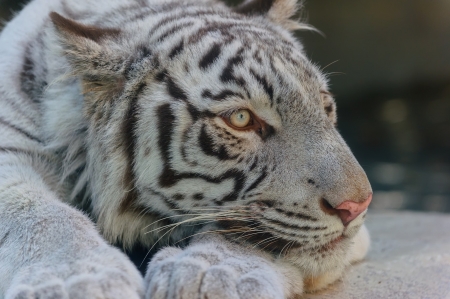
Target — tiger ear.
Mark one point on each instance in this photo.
(91, 52)
(278, 11)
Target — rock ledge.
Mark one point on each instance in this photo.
(409, 258)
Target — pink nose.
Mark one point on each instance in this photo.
(349, 210)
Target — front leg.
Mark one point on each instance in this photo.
(49, 250)
(212, 267)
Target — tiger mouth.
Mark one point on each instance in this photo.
(263, 238)
(332, 244)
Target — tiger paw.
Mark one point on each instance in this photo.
(106, 274)
(213, 269)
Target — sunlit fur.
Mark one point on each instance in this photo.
(132, 120)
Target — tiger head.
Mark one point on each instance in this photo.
(215, 115)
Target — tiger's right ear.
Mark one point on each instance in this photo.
(93, 53)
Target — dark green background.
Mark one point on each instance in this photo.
(389, 66)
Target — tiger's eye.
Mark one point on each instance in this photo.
(240, 118)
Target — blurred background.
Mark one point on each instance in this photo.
(389, 68)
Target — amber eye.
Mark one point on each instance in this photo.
(241, 118)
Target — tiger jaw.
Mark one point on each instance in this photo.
(283, 238)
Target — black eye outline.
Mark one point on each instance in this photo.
(256, 124)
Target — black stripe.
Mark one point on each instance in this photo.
(171, 205)
(173, 18)
(169, 32)
(209, 148)
(178, 196)
(239, 182)
(224, 94)
(17, 129)
(255, 162)
(197, 114)
(206, 93)
(197, 37)
(263, 81)
(161, 76)
(257, 57)
(175, 91)
(163, 22)
(27, 77)
(194, 112)
(4, 238)
(166, 121)
(255, 184)
(128, 135)
(177, 50)
(228, 72)
(174, 29)
(231, 29)
(296, 215)
(267, 202)
(198, 196)
(32, 79)
(144, 51)
(211, 56)
(229, 135)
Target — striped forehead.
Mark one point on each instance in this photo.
(222, 62)
(241, 71)
(196, 24)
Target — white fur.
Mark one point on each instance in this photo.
(49, 249)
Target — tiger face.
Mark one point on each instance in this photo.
(211, 116)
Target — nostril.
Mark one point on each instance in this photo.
(349, 210)
(327, 208)
(346, 211)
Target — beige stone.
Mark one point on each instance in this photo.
(409, 258)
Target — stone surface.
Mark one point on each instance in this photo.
(409, 258)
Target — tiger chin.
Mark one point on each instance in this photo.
(190, 127)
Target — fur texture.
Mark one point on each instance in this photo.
(123, 108)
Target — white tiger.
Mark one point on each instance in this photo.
(186, 123)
